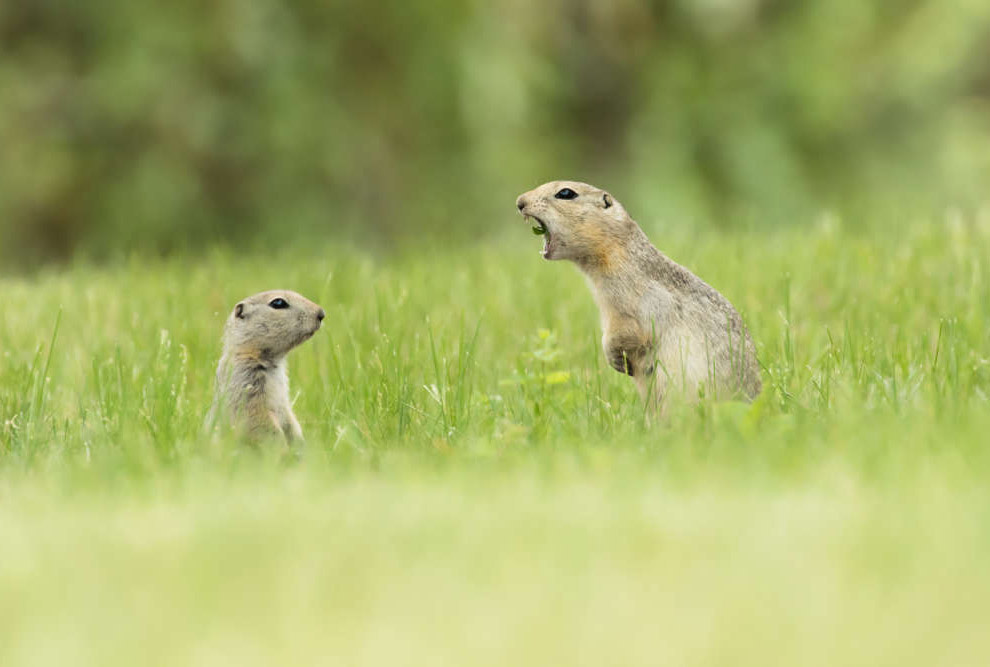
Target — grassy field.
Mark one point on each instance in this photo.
(479, 488)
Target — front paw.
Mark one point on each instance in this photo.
(620, 361)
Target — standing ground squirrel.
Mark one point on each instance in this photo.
(664, 326)
(252, 391)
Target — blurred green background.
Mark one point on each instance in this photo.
(156, 127)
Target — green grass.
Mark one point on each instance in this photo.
(478, 487)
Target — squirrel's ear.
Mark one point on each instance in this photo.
(607, 199)
(239, 311)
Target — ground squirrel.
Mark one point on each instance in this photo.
(252, 392)
(662, 325)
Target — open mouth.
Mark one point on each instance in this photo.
(540, 229)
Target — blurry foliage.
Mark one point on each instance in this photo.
(159, 126)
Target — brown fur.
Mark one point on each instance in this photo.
(664, 326)
(252, 391)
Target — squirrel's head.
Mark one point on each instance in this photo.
(269, 324)
(577, 221)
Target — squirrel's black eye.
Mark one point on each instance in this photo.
(565, 193)
(278, 303)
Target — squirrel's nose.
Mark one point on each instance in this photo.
(320, 314)
(520, 203)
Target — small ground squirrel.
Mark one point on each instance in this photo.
(662, 324)
(252, 392)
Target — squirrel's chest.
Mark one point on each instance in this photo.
(632, 329)
(276, 394)
(640, 315)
